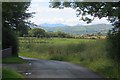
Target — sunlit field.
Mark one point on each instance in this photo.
(47, 48)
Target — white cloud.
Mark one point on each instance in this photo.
(40, 1)
(99, 21)
(44, 14)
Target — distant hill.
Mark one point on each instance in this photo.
(78, 29)
(52, 25)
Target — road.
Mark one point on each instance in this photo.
(56, 69)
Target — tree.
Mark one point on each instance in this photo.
(37, 32)
(111, 10)
(14, 15)
(14, 19)
(9, 39)
(61, 34)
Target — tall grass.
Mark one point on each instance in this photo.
(89, 53)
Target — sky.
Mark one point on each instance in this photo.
(44, 14)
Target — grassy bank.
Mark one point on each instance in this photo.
(8, 74)
(90, 53)
(13, 60)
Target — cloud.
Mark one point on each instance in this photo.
(33, 1)
(44, 14)
(100, 21)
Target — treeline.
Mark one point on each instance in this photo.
(41, 33)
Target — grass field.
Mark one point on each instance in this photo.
(90, 53)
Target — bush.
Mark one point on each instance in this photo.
(113, 48)
(114, 44)
(9, 39)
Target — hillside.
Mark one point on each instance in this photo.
(79, 29)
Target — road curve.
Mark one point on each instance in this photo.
(56, 69)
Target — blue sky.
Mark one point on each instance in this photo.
(66, 16)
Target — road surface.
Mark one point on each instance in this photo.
(57, 69)
(52, 69)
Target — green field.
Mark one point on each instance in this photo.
(90, 53)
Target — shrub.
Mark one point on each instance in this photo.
(114, 44)
(113, 48)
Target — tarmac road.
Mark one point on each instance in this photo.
(56, 69)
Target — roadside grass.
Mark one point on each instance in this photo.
(13, 60)
(89, 53)
(8, 74)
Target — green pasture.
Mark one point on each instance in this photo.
(47, 48)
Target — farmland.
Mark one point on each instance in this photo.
(90, 53)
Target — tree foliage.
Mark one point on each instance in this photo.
(95, 9)
(111, 10)
(37, 32)
(9, 39)
(14, 15)
(14, 18)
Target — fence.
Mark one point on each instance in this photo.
(6, 52)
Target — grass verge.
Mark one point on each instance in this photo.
(13, 60)
(8, 74)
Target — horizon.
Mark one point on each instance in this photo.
(64, 25)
